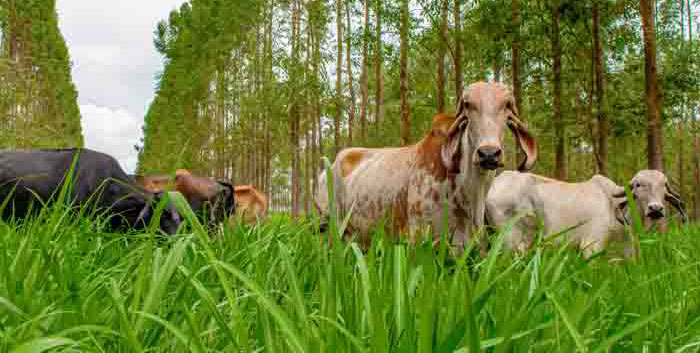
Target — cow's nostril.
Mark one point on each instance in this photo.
(489, 153)
(655, 211)
(656, 208)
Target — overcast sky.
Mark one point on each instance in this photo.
(114, 63)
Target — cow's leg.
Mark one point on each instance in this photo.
(422, 210)
(630, 250)
(452, 227)
(519, 237)
(662, 225)
(593, 245)
(516, 239)
(418, 231)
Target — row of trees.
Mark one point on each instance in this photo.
(38, 101)
(258, 90)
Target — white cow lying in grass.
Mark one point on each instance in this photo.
(594, 212)
(588, 213)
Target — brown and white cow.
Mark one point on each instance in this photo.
(201, 192)
(452, 164)
(251, 204)
(651, 192)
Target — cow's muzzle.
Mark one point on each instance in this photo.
(489, 157)
(655, 211)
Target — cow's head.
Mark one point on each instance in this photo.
(650, 189)
(223, 204)
(476, 136)
(209, 198)
(169, 219)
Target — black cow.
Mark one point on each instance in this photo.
(97, 180)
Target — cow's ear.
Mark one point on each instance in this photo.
(526, 142)
(621, 212)
(450, 152)
(225, 188)
(674, 199)
(229, 195)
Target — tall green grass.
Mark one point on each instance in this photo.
(67, 285)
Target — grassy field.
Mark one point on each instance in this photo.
(67, 286)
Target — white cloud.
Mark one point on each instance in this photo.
(114, 64)
(112, 131)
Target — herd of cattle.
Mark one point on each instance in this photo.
(447, 179)
(30, 178)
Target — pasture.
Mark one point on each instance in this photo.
(405, 111)
(68, 286)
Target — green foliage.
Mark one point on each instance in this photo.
(196, 40)
(69, 286)
(38, 101)
(223, 100)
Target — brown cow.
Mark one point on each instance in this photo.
(153, 183)
(453, 164)
(251, 204)
(218, 196)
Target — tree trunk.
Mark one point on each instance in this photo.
(515, 52)
(260, 69)
(314, 148)
(267, 180)
(696, 162)
(600, 87)
(442, 51)
(403, 76)
(348, 42)
(219, 121)
(308, 116)
(589, 110)
(364, 76)
(654, 125)
(316, 101)
(496, 69)
(690, 22)
(681, 151)
(307, 172)
(338, 75)
(560, 153)
(696, 144)
(314, 104)
(458, 52)
(294, 111)
(515, 72)
(379, 76)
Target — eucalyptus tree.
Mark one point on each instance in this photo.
(38, 100)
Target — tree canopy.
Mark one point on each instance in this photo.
(257, 90)
(38, 100)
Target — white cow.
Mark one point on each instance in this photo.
(589, 210)
(651, 192)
